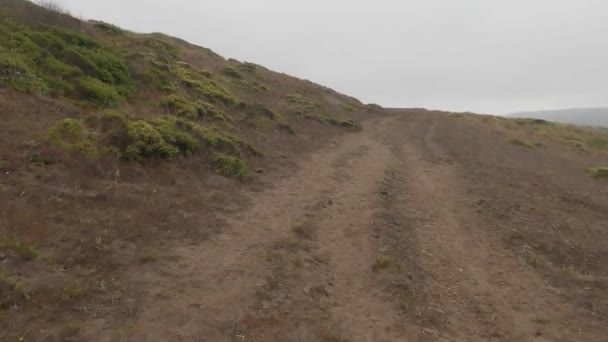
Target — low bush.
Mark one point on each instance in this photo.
(72, 135)
(230, 166)
(598, 172)
(231, 73)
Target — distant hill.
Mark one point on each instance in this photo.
(576, 116)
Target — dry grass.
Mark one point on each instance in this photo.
(53, 6)
(305, 230)
(521, 142)
(382, 262)
(523, 131)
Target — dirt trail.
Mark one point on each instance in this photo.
(479, 288)
(374, 239)
(346, 237)
(212, 285)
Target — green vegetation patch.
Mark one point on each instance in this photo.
(537, 122)
(21, 249)
(598, 171)
(200, 85)
(247, 67)
(108, 28)
(230, 166)
(303, 105)
(72, 135)
(598, 142)
(382, 262)
(231, 73)
(340, 122)
(139, 140)
(348, 107)
(328, 120)
(522, 143)
(60, 62)
(183, 107)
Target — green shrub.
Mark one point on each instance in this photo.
(163, 50)
(598, 172)
(522, 143)
(328, 120)
(40, 58)
(220, 141)
(196, 82)
(208, 110)
(138, 140)
(341, 122)
(72, 135)
(230, 166)
(348, 107)
(247, 67)
(172, 134)
(302, 104)
(180, 106)
(99, 92)
(108, 28)
(146, 142)
(231, 73)
(14, 72)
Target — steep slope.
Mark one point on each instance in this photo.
(575, 116)
(115, 145)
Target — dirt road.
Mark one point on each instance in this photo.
(381, 237)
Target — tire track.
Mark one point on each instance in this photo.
(210, 290)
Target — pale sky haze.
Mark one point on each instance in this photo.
(488, 56)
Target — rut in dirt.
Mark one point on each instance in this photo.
(214, 287)
(465, 285)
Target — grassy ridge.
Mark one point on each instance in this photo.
(150, 97)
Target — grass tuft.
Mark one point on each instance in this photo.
(303, 105)
(305, 231)
(598, 171)
(520, 142)
(382, 262)
(21, 249)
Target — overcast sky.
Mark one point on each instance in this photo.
(490, 56)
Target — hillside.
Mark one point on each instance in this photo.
(151, 190)
(115, 143)
(576, 116)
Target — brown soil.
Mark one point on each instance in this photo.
(421, 227)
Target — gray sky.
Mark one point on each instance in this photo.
(490, 56)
